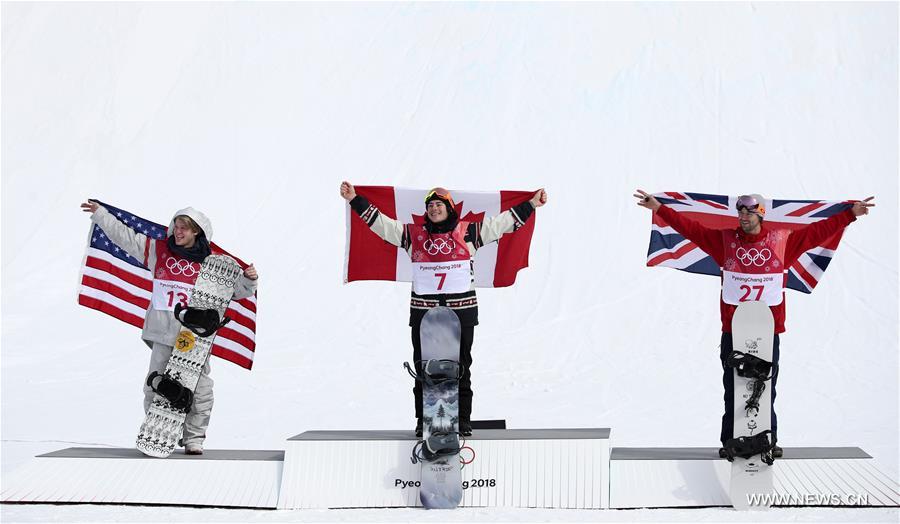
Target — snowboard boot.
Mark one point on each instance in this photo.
(777, 452)
(465, 427)
(193, 449)
(419, 427)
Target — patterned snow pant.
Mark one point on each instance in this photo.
(198, 419)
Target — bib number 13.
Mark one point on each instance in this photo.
(182, 298)
(748, 290)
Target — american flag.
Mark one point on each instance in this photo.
(669, 249)
(119, 285)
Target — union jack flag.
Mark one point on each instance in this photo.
(119, 285)
(669, 249)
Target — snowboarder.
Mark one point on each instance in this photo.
(769, 249)
(443, 235)
(173, 263)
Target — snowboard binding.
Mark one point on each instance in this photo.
(435, 371)
(180, 397)
(746, 447)
(749, 366)
(203, 322)
(757, 370)
(439, 444)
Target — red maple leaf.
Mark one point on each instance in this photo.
(473, 217)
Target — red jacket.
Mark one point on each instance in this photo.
(712, 243)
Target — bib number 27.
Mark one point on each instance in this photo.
(750, 289)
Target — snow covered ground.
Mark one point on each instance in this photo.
(22, 513)
(254, 113)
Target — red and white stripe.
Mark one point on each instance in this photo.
(123, 291)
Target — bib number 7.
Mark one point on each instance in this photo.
(442, 277)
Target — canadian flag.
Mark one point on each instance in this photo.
(368, 257)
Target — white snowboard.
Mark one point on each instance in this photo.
(163, 425)
(753, 332)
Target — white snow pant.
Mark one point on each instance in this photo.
(198, 419)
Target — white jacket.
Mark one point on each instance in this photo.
(159, 325)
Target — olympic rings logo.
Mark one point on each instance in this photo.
(757, 257)
(433, 247)
(181, 267)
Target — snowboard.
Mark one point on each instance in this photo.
(441, 481)
(164, 422)
(753, 332)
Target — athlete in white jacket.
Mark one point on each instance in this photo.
(174, 263)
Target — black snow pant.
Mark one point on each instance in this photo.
(728, 380)
(465, 359)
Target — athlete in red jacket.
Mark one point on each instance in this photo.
(752, 254)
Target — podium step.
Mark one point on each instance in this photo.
(697, 477)
(525, 468)
(220, 478)
(536, 468)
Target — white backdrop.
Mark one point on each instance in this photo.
(254, 113)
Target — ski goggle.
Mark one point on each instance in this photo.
(440, 193)
(750, 203)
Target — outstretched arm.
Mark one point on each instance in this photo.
(134, 243)
(387, 228)
(809, 237)
(708, 239)
(491, 229)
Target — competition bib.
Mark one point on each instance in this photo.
(173, 279)
(749, 287)
(432, 278)
(167, 293)
(754, 270)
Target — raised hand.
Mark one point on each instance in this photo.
(647, 200)
(539, 198)
(862, 207)
(347, 191)
(89, 206)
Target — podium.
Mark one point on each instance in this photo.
(516, 468)
(520, 468)
(220, 478)
(697, 477)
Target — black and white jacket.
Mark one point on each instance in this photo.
(477, 235)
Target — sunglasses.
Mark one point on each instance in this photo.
(746, 201)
